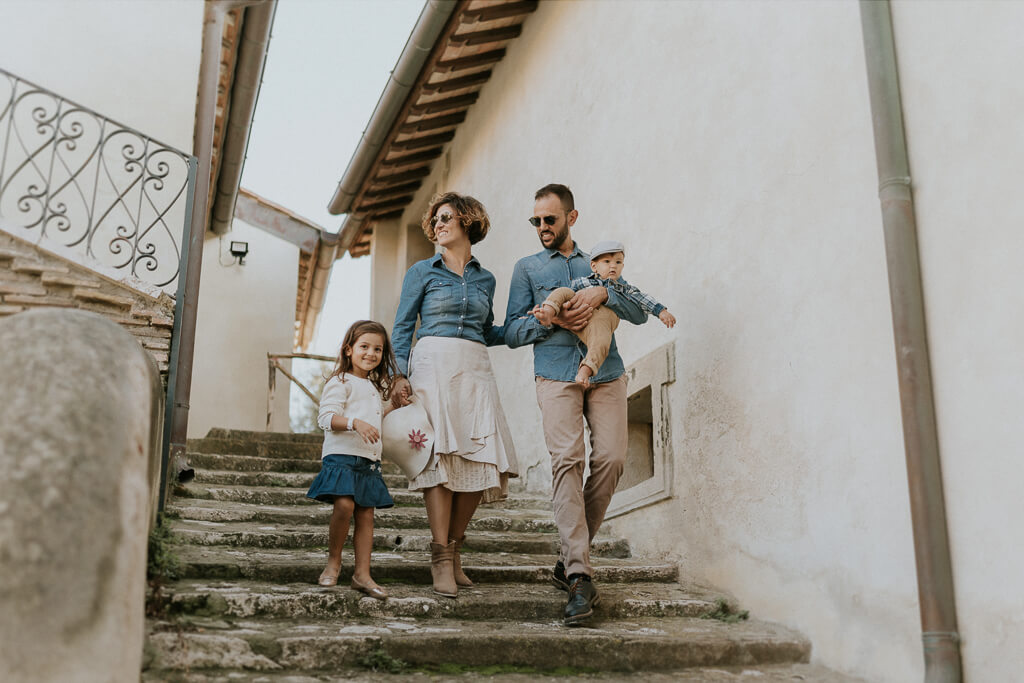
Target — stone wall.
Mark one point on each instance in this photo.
(31, 277)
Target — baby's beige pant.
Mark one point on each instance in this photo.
(597, 335)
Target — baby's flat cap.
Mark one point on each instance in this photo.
(606, 247)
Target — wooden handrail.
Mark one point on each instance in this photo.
(273, 365)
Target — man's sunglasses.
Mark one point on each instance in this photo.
(548, 220)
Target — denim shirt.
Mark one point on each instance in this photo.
(557, 352)
(448, 305)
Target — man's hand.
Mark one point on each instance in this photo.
(401, 393)
(591, 296)
(577, 311)
(667, 318)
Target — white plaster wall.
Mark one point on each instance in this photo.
(729, 145)
(960, 67)
(134, 62)
(244, 313)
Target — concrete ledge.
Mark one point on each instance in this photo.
(79, 452)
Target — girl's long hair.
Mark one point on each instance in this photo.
(382, 376)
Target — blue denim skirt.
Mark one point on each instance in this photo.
(350, 475)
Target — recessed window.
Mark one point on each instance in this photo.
(647, 475)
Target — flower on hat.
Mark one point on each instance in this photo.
(417, 439)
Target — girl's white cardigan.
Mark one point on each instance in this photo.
(356, 398)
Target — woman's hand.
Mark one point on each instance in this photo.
(366, 430)
(401, 393)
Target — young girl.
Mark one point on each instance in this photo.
(353, 404)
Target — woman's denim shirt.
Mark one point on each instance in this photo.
(448, 305)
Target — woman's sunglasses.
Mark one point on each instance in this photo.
(441, 219)
(548, 220)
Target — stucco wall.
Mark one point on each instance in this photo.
(960, 69)
(244, 313)
(134, 62)
(729, 145)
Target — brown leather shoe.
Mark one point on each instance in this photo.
(375, 592)
(441, 569)
(460, 577)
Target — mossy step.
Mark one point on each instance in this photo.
(766, 673)
(279, 479)
(514, 602)
(256, 535)
(277, 565)
(275, 495)
(605, 644)
(487, 517)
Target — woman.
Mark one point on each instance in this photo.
(450, 375)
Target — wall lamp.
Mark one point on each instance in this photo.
(239, 251)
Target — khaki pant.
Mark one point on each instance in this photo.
(597, 335)
(579, 507)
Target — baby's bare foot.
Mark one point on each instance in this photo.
(583, 375)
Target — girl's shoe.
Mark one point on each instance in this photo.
(328, 578)
(375, 592)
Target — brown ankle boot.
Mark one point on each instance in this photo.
(460, 576)
(441, 569)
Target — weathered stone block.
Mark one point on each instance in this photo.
(81, 400)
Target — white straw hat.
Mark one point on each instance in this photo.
(407, 438)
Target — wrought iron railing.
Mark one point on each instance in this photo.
(73, 178)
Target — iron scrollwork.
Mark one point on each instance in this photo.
(74, 177)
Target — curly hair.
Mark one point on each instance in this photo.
(471, 214)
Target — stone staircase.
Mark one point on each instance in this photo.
(247, 606)
(31, 277)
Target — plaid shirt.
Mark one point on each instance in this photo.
(645, 301)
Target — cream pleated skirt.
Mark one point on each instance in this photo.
(473, 451)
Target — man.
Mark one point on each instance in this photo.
(557, 353)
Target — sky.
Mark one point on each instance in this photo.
(327, 64)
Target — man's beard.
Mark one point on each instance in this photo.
(557, 241)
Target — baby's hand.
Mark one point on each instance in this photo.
(667, 318)
(366, 430)
(543, 314)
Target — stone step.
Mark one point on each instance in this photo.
(279, 479)
(487, 517)
(607, 644)
(256, 535)
(258, 448)
(767, 673)
(514, 602)
(247, 435)
(251, 463)
(285, 565)
(273, 495)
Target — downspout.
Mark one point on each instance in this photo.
(252, 53)
(176, 416)
(414, 55)
(326, 256)
(920, 435)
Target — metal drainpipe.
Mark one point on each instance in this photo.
(180, 379)
(252, 53)
(927, 505)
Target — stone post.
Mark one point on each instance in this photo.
(79, 407)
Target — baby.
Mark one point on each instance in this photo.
(606, 261)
